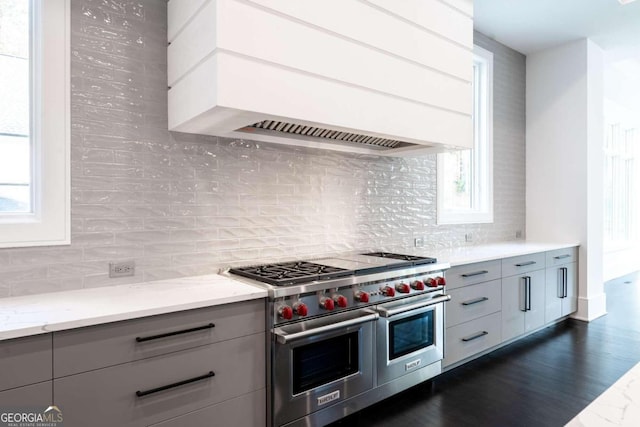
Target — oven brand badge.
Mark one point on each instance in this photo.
(412, 365)
(334, 395)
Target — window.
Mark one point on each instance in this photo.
(620, 186)
(34, 122)
(465, 178)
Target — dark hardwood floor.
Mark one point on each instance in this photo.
(542, 380)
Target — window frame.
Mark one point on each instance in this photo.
(49, 223)
(482, 208)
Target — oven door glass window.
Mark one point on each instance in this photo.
(325, 361)
(411, 334)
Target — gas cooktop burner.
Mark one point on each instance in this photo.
(415, 260)
(290, 273)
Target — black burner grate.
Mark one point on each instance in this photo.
(290, 273)
(415, 260)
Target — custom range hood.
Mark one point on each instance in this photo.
(365, 76)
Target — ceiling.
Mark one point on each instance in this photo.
(531, 25)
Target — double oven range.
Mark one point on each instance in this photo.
(348, 331)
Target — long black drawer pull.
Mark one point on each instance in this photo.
(524, 264)
(475, 301)
(475, 336)
(170, 334)
(475, 273)
(174, 385)
(562, 256)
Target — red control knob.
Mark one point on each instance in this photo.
(300, 309)
(326, 303)
(431, 282)
(340, 300)
(362, 296)
(440, 281)
(418, 285)
(403, 288)
(285, 312)
(388, 291)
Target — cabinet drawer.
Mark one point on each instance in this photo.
(469, 274)
(95, 347)
(469, 338)
(472, 302)
(25, 361)
(523, 264)
(562, 256)
(244, 411)
(30, 396)
(107, 397)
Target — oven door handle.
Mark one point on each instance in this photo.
(284, 337)
(388, 312)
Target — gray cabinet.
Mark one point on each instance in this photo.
(523, 303)
(248, 410)
(561, 284)
(93, 347)
(469, 274)
(179, 368)
(25, 371)
(28, 396)
(470, 338)
(472, 317)
(151, 390)
(25, 361)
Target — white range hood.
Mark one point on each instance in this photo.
(386, 77)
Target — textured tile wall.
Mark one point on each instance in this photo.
(182, 205)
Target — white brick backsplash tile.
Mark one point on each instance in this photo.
(169, 223)
(181, 204)
(98, 280)
(76, 269)
(193, 235)
(44, 255)
(91, 239)
(113, 252)
(30, 287)
(9, 275)
(113, 224)
(154, 249)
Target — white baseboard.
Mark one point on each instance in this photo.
(591, 308)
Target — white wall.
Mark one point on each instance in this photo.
(564, 159)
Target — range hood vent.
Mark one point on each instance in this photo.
(272, 127)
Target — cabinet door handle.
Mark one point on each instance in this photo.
(565, 281)
(562, 256)
(170, 334)
(475, 301)
(475, 273)
(525, 293)
(560, 288)
(524, 264)
(528, 278)
(174, 385)
(475, 336)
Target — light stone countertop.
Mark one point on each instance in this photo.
(35, 314)
(472, 254)
(619, 405)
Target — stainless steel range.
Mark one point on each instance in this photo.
(348, 331)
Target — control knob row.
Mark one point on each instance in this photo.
(286, 312)
(330, 303)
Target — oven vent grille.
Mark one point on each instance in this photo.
(314, 132)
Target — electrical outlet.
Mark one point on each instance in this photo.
(519, 234)
(122, 269)
(468, 237)
(418, 242)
